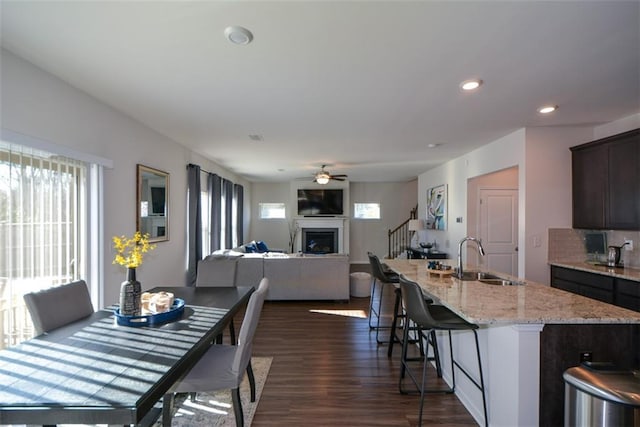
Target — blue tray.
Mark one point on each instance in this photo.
(152, 319)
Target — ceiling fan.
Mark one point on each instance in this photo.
(322, 177)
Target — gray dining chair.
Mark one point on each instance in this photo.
(58, 306)
(223, 367)
(218, 271)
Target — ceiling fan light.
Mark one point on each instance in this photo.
(322, 178)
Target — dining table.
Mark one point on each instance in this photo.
(98, 371)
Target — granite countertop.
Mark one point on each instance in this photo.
(621, 272)
(530, 303)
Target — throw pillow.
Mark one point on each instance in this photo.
(261, 246)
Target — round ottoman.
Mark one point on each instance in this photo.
(360, 284)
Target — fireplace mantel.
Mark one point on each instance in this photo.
(323, 223)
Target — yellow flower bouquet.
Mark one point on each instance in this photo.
(130, 251)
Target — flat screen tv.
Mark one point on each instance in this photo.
(320, 202)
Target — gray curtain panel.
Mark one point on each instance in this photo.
(218, 189)
(227, 193)
(239, 197)
(194, 224)
(214, 188)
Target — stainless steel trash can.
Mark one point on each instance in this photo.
(601, 396)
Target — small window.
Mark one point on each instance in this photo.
(272, 210)
(366, 210)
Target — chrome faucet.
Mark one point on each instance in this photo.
(480, 249)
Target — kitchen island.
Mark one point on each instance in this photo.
(529, 334)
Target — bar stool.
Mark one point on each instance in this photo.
(398, 311)
(427, 319)
(384, 276)
(381, 277)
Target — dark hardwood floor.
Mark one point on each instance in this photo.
(328, 370)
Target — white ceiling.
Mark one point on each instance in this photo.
(361, 85)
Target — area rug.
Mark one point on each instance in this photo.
(215, 409)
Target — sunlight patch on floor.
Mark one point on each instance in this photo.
(360, 314)
(203, 407)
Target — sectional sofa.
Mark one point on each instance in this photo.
(291, 277)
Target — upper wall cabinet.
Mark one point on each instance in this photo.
(606, 183)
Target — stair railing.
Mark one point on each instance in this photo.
(399, 238)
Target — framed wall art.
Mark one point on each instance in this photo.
(437, 208)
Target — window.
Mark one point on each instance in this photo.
(205, 212)
(272, 211)
(221, 210)
(366, 210)
(43, 223)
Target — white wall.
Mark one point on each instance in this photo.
(37, 104)
(547, 185)
(544, 174)
(619, 126)
(500, 154)
(396, 199)
(274, 232)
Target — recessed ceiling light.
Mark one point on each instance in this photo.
(432, 145)
(470, 84)
(238, 35)
(547, 109)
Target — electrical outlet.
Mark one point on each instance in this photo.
(629, 245)
(586, 356)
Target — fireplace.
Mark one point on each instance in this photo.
(337, 226)
(320, 240)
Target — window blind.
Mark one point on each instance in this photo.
(43, 219)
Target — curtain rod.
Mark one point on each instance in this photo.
(211, 173)
(201, 170)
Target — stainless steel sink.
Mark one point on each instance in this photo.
(489, 279)
(476, 275)
(501, 282)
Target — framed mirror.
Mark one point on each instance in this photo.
(152, 214)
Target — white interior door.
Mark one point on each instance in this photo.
(498, 229)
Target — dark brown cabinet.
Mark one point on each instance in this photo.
(628, 294)
(613, 290)
(590, 285)
(606, 183)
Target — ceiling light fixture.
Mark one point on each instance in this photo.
(547, 109)
(470, 84)
(432, 145)
(238, 35)
(322, 178)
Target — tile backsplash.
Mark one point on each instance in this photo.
(567, 244)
